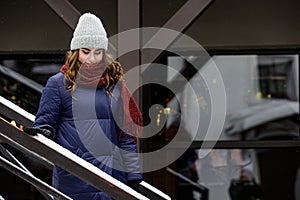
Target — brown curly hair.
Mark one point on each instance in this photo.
(112, 73)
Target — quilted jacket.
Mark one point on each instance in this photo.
(85, 125)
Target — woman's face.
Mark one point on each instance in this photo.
(90, 56)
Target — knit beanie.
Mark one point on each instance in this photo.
(89, 33)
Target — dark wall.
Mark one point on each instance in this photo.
(229, 23)
(249, 23)
(33, 26)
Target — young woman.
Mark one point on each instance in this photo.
(90, 112)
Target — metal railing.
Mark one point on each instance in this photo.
(49, 152)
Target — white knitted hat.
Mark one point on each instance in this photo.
(89, 33)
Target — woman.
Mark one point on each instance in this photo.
(90, 112)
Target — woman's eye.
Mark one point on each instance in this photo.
(98, 52)
(85, 52)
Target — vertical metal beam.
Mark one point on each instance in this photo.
(129, 18)
(128, 14)
(66, 11)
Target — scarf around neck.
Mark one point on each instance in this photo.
(91, 77)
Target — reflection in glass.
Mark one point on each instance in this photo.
(262, 104)
(260, 90)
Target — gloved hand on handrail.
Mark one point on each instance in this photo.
(34, 131)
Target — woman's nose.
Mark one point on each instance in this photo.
(91, 59)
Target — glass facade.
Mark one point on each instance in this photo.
(262, 104)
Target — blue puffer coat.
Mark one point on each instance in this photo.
(89, 130)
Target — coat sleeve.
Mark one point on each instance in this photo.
(130, 157)
(48, 114)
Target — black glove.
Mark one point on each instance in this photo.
(134, 184)
(34, 131)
